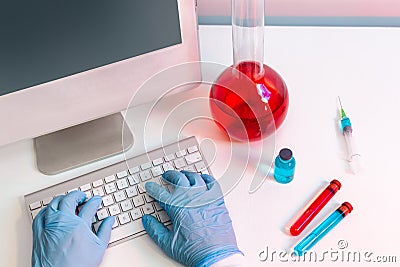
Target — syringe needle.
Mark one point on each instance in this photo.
(340, 102)
(342, 113)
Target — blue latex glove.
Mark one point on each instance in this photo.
(202, 232)
(63, 239)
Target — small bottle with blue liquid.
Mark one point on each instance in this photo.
(284, 166)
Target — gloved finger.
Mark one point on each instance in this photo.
(53, 205)
(194, 178)
(71, 201)
(157, 192)
(209, 180)
(158, 233)
(105, 228)
(38, 222)
(176, 178)
(89, 209)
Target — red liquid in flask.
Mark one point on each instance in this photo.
(247, 105)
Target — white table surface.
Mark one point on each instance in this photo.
(362, 65)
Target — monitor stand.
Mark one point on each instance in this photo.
(82, 144)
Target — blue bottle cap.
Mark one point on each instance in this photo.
(285, 154)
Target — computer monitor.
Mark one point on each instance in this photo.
(67, 62)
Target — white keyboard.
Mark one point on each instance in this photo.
(122, 187)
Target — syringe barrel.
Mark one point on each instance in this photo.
(351, 153)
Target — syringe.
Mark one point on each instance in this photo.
(347, 130)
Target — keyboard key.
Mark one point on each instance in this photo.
(148, 198)
(134, 179)
(136, 214)
(190, 168)
(110, 188)
(114, 210)
(98, 183)
(163, 216)
(109, 179)
(35, 213)
(138, 201)
(142, 188)
(193, 158)
(108, 200)
(193, 149)
(126, 205)
(119, 196)
(99, 191)
(122, 184)
(60, 194)
(134, 170)
(181, 153)
(85, 187)
(96, 226)
(122, 174)
(179, 163)
(157, 171)
(158, 161)
(47, 200)
(205, 172)
(126, 230)
(115, 224)
(167, 166)
(148, 209)
(200, 166)
(157, 206)
(131, 191)
(35, 205)
(169, 157)
(146, 166)
(145, 175)
(88, 195)
(124, 218)
(102, 214)
(72, 190)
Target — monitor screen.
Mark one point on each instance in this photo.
(45, 40)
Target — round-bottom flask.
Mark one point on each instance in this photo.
(249, 100)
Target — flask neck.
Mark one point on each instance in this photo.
(248, 34)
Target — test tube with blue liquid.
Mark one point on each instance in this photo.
(318, 233)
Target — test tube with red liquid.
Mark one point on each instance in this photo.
(315, 207)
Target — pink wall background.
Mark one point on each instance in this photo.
(334, 8)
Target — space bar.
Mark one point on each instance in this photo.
(126, 230)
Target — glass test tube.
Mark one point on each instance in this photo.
(318, 233)
(315, 207)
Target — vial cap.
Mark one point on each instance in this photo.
(285, 154)
(348, 205)
(337, 183)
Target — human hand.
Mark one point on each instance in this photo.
(202, 232)
(63, 239)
